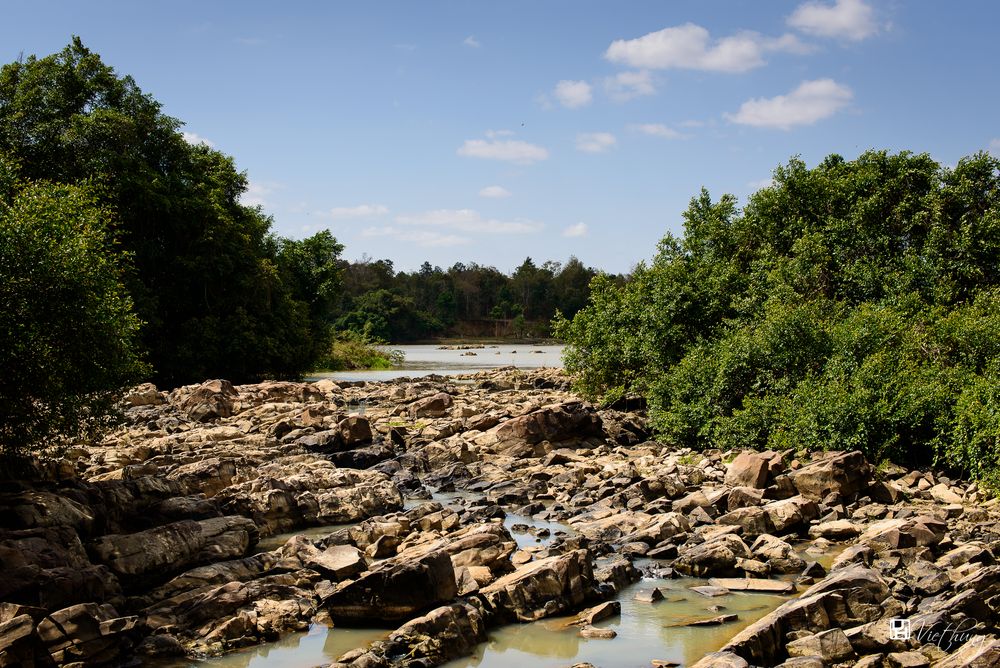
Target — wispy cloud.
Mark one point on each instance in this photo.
(595, 142)
(845, 19)
(424, 238)
(257, 192)
(578, 230)
(691, 47)
(760, 184)
(194, 139)
(812, 101)
(508, 150)
(359, 211)
(468, 220)
(995, 147)
(494, 192)
(573, 94)
(471, 41)
(657, 130)
(625, 86)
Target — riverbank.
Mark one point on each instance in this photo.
(145, 546)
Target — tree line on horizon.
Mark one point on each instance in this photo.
(400, 307)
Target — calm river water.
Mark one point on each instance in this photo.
(422, 360)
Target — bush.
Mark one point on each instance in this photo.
(67, 331)
(350, 351)
(853, 305)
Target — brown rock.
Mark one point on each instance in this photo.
(395, 589)
(845, 474)
(749, 469)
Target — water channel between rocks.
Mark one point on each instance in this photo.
(645, 631)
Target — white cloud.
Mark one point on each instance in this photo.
(257, 192)
(471, 41)
(468, 220)
(360, 211)
(494, 192)
(425, 238)
(627, 85)
(690, 47)
(195, 140)
(760, 184)
(812, 101)
(509, 150)
(573, 94)
(995, 147)
(595, 142)
(844, 19)
(578, 230)
(657, 130)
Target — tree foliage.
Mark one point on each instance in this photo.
(220, 296)
(67, 329)
(852, 305)
(403, 306)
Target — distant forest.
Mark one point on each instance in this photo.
(464, 300)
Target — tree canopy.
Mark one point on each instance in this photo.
(852, 305)
(67, 329)
(218, 294)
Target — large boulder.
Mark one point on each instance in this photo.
(49, 568)
(87, 633)
(211, 400)
(844, 474)
(558, 423)
(434, 406)
(790, 514)
(307, 490)
(718, 556)
(749, 469)
(394, 589)
(156, 552)
(443, 634)
(354, 431)
(539, 589)
(224, 616)
(18, 643)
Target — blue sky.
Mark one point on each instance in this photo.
(487, 132)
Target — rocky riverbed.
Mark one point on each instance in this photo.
(144, 547)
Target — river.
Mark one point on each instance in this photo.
(423, 360)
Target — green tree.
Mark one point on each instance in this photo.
(851, 305)
(68, 335)
(206, 278)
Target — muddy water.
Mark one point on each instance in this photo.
(646, 631)
(320, 646)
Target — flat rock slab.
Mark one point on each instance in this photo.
(710, 591)
(711, 621)
(753, 584)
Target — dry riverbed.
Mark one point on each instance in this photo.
(430, 516)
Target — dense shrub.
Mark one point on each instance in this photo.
(853, 305)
